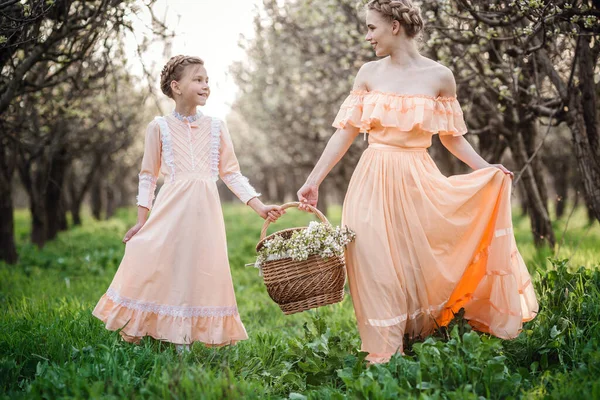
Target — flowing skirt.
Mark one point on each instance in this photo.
(174, 282)
(427, 246)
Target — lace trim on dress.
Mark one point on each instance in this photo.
(190, 119)
(240, 185)
(502, 232)
(146, 189)
(173, 311)
(167, 146)
(215, 130)
(404, 317)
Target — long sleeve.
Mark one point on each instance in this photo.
(229, 169)
(150, 166)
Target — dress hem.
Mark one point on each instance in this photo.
(134, 324)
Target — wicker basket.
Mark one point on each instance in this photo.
(298, 286)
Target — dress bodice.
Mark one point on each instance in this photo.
(189, 147)
(200, 149)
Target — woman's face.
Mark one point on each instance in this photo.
(193, 85)
(380, 32)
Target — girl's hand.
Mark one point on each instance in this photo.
(130, 233)
(503, 169)
(308, 194)
(270, 212)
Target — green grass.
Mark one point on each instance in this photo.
(51, 346)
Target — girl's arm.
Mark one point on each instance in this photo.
(147, 177)
(229, 171)
(458, 145)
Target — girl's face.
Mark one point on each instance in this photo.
(381, 33)
(193, 87)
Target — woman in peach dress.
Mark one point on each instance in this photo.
(174, 282)
(426, 245)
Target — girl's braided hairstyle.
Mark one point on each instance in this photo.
(173, 71)
(403, 11)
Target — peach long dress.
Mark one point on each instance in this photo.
(174, 282)
(426, 245)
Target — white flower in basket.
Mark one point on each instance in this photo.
(318, 238)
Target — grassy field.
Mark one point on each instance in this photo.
(52, 347)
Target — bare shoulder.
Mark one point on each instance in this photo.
(445, 77)
(441, 75)
(368, 69)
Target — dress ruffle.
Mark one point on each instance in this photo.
(209, 328)
(496, 308)
(364, 109)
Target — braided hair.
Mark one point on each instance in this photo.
(403, 11)
(173, 71)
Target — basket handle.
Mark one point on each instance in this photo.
(318, 213)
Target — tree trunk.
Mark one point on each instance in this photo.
(590, 213)
(111, 206)
(530, 139)
(96, 197)
(559, 168)
(561, 185)
(75, 200)
(38, 222)
(77, 194)
(280, 185)
(8, 249)
(33, 180)
(582, 119)
(541, 226)
(588, 60)
(63, 224)
(8, 162)
(270, 184)
(125, 194)
(587, 161)
(76, 213)
(491, 147)
(581, 116)
(523, 202)
(54, 195)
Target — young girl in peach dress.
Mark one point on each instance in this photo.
(174, 282)
(426, 245)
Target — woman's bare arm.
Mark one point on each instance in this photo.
(337, 146)
(458, 145)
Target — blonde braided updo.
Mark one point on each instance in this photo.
(403, 11)
(173, 71)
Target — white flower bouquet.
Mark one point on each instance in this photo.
(319, 238)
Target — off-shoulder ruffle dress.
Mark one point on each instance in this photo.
(174, 282)
(426, 245)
